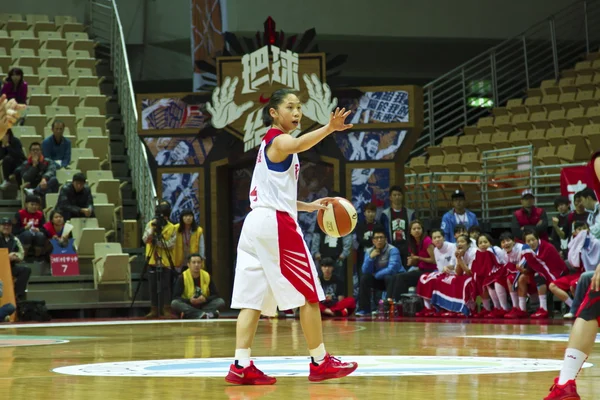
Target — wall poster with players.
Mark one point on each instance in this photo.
(183, 188)
(367, 184)
(177, 113)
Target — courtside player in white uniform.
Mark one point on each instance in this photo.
(274, 267)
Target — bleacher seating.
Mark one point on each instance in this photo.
(560, 120)
(59, 64)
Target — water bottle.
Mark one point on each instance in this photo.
(392, 309)
(381, 309)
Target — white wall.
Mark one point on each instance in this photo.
(394, 18)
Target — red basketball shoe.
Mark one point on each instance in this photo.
(330, 368)
(248, 376)
(426, 312)
(540, 314)
(497, 313)
(568, 391)
(516, 313)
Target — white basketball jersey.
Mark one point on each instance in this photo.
(275, 185)
(515, 254)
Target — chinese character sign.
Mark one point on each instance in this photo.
(246, 84)
(573, 180)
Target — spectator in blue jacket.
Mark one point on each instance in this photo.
(57, 147)
(380, 266)
(458, 215)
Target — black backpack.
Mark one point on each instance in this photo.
(33, 311)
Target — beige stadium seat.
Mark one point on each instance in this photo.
(82, 45)
(56, 44)
(584, 82)
(71, 27)
(75, 73)
(518, 138)
(452, 162)
(32, 44)
(63, 19)
(85, 164)
(33, 18)
(37, 121)
(65, 175)
(36, 89)
(70, 101)
(51, 200)
(33, 109)
(539, 120)
(567, 84)
(20, 34)
(47, 53)
(56, 91)
(5, 62)
(77, 153)
(471, 161)
(466, 144)
(549, 87)
(73, 36)
(550, 102)
(449, 144)
(592, 133)
(419, 165)
(55, 80)
(436, 164)
(73, 55)
(7, 44)
(483, 142)
(32, 63)
(98, 101)
(87, 81)
(570, 153)
(537, 138)
(558, 119)
(533, 104)
(82, 112)
(555, 137)
(5, 17)
(84, 91)
(576, 116)
(107, 218)
(17, 26)
(100, 145)
(88, 237)
(499, 141)
(99, 121)
(586, 99)
(3, 52)
(112, 266)
(486, 125)
(568, 100)
(53, 111)
(435, 151)
(57, 62)
(85, 132)
(99, 198)
(89, 63)
(578, 139)
(42, 27)
(26, 141)
(20, 131)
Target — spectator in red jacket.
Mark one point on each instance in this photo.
(15, 86)
(529, 217)
(27, 223)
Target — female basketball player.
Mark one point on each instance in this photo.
(495, 281)
(583, 334)
(274, 267)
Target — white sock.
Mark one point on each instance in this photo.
(501, 292)
(515, 299)
(494, 297)
(427, 304)
(523, 303)
(486, 304)
(318, 354)
(573, 362)
(569, 302)
(543, 302)
(242, 356)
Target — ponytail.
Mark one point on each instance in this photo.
(266, 116)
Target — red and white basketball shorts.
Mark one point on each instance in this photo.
(590, 308)
(567, 282)
(274, 267)
(531, 286)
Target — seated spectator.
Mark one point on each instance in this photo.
(335, 304)
(590, 202)
(584, 255)
(54, 229)
(15, 86)
(195, 295)
(421, 260)
(7, 309)
(190, 240)
(579, 213)
(12, 156)
(514, 258)
(474, 232)
(364, 233)
(338, 249)
(27, 224)
(529, 217)
(380, 265)
(57, 147)
(561, 226)
(37, 173)
(75, 199)
(395, 220)
(15, 255)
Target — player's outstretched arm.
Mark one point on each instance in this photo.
(284, 145)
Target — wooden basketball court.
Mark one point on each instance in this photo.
(430, 360)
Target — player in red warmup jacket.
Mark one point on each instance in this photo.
(274, 267)
(585, 328)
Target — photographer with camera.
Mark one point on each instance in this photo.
(160, 235)
(195, 295)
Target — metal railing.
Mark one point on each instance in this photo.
(508, 70)
(105, 26)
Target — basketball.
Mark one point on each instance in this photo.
(339, 219)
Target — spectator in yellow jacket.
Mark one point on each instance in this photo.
(190, 240)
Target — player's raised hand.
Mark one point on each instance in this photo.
(9, 114)
(337, 120)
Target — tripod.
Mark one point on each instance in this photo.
(157, 241)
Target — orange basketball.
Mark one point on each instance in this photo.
(339, 219)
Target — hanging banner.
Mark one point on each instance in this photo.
(573, 180)
(207, 36)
